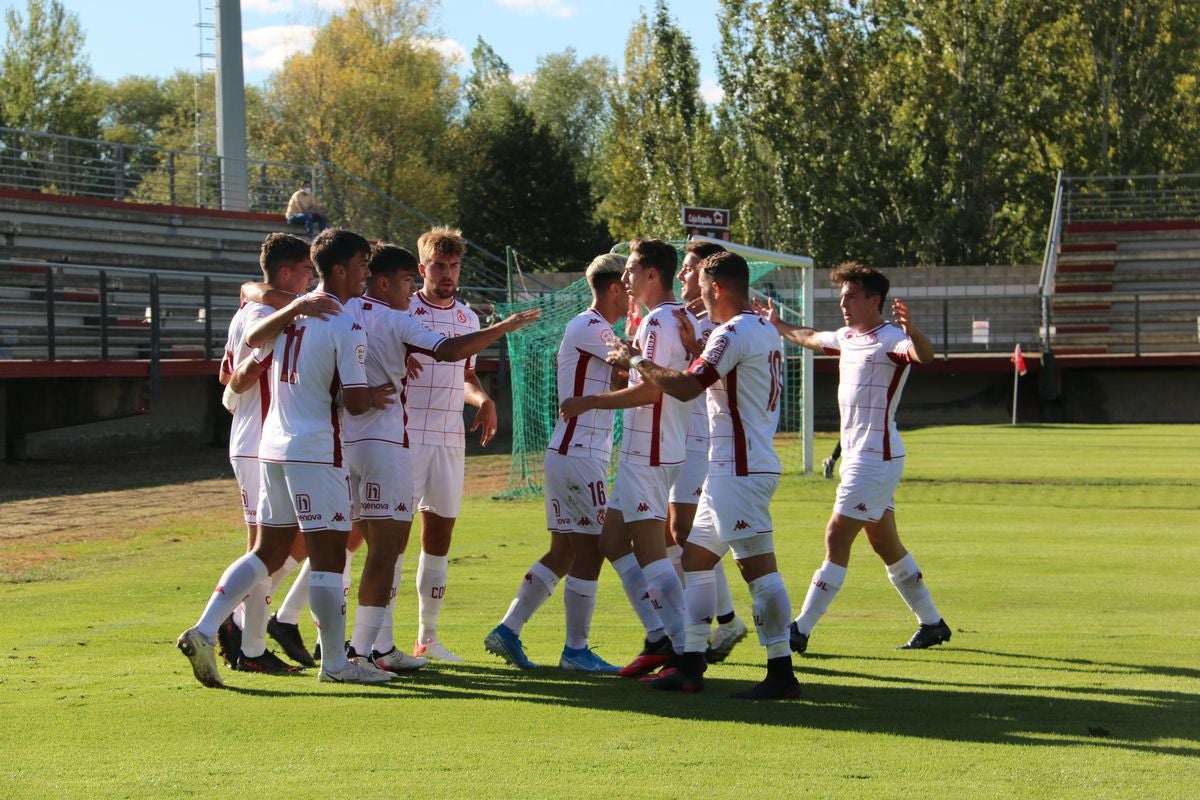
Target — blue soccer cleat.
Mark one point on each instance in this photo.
(506, 644)
(584, 660)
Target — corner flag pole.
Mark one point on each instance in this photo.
(1018, 362)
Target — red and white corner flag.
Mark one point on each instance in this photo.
(1018, 360)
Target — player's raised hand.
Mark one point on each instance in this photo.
(382, 396)
(902, 317)
(687, 333)
(485, 422)
(320, 306)
(767, 309)
(511, 323)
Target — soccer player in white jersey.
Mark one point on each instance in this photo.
(377, 443)
(434, 400)
(688, 484)
(576, 488)
(652, 449)
(287, 268)
(742, 369)
(317, 365)
(873, 363)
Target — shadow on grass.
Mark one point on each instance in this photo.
(837, 700)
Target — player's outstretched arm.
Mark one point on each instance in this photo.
(639, 394)
(922, 349)
(459, 347)
(246, 374)
(797, 334)
(679, 385)
(267, 329)
(263, 293)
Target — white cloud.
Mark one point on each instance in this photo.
(711, 91)
(267, 48)
(267, 6)
(555, 8)
(451, 50)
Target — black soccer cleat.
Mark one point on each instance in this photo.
(653, 655)
(268, 664)
(676, 680)
(287, 636)
(796, 640)
(772, 688)
(928, 636)
(229, 642)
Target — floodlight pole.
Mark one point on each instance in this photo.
(231, 108)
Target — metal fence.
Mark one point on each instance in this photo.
(1114, 198)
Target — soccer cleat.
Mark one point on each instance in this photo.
(396, 661)
(268, 663)
(287, 635)
(229, 638)
(504, 643)
(676, 680)
(584, 660)
(723, 640)
(928, 636)
(772, 688)
(200, 654)
(796, 640)
(357, 670)
(434, 651)
(827, 468)
(654, 654)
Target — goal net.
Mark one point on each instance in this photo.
(532, 351)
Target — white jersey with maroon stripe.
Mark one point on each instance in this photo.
(872, 369)
(582, 370)
(742, 368)
(434, 399)
(245, 431)
(656, 434)
(697, 433)
(312, 361)
(391, 334)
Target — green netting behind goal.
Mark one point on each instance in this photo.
(532, 351)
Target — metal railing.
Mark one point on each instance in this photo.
(1113, 198)
(68, 165)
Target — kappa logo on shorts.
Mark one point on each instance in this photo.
(741, 525)
(861, 507)
(699, 491)
(402, 507)
(372, 492)
(584, 522)
(643, 507)
(338, 517)
(303, 504)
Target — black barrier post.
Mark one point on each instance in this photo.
(154, 338)
(103, 316)
(945, 329)
(49, 314)
(207, 318)
(1137, 324)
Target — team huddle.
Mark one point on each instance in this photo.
(347, 414)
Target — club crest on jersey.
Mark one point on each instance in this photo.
(360, 353)
(600, 516)
(462, 317)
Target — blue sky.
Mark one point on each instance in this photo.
(156, 37)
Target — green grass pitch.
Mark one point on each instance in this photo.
(1065, 558)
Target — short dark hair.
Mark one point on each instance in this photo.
(658, 254)
(279, 249)
(728, 269)
(872, 280)
(336, 246)
(702, 249)
(388, 259)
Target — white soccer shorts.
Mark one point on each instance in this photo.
(868, 488)
(314, 496)
(640, 492)
(689, 482)
(437, 477)
(380, 480)
(735, 514)
(576, 494)
(249, 480)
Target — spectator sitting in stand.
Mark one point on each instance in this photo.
(302, 208)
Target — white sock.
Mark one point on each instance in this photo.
(297, 597)
(534, 590)
(666, 592)
(239, 616)
(235, 584)
(675, 553)
(579, 601)
(385, 640)
(254, 621)
(907, 578)
(772, 613)
(367, 621)
(724, 596)
(325, 595)
(289, 566)
(431, 590)
(634, 584)
(700, 604)
(825, 584)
